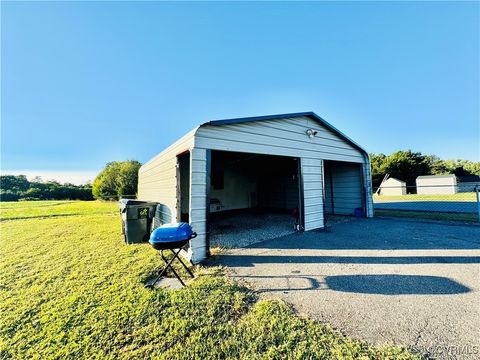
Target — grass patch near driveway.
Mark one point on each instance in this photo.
(71, 288)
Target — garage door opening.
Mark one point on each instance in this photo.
(343, 189)
(252, 197)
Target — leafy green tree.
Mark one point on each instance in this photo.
(117, 179)
(407, 165)
(377, 162)
(458, 167)
(473, 167)
(14, 183)
(403, 165)
(8, 195)
(436, 165)
(17, 187)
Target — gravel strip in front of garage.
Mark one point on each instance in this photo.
(244, 229)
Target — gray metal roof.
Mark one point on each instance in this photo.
(309, 114)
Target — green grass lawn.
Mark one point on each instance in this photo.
(71, 288)
(52, 208)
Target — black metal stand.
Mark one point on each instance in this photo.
(169, 266)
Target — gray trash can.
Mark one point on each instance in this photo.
(137, 218)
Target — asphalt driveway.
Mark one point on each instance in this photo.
(391, 281)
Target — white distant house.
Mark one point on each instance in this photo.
(436, 184)
(293, 162)
(393, 186)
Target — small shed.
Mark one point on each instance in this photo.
(436, 184)
(393, 186)
(290, 163)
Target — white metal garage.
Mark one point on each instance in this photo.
(278, 161)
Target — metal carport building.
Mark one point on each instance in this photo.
(278, 161)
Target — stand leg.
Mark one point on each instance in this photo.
(164, 270)
(175, 255)
(169, 266)
(185, 266)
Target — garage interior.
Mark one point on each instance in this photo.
(252, 197)
(343, 189)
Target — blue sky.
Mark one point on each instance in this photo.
(86, 83)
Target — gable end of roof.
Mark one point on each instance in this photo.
(308, 114)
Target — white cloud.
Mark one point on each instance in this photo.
(74, 177)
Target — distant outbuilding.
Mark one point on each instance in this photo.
(393, 186)
(437, 184)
